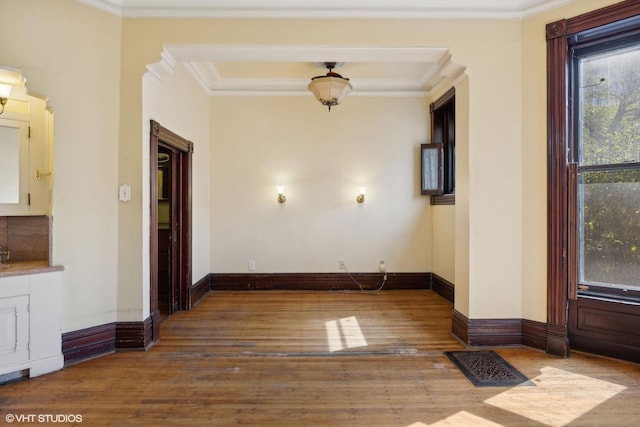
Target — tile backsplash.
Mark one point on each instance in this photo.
(27, 237)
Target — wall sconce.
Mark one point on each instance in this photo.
(360, 198)
(5, 91)
(281, 197)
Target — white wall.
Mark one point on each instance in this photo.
(321, 158)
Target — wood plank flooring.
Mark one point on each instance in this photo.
(323, 359)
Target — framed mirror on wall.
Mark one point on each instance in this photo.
(26, 139)
(9, 163)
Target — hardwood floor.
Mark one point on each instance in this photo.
(278, 358)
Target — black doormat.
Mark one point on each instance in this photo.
(485, 368)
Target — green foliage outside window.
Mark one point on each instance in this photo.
(609, 178)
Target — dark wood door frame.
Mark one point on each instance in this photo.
(560, 266)
(184, 150)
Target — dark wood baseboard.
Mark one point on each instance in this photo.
(460, 326)
(494, 332)
(100, 340)
(498, 332)
(134, 335)
(318, 281)
(199, 290)
(443, 287)
(534, 334)
(88, 343)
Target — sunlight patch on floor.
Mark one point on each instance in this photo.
(344, 333)
(558, 398)
(460, 419)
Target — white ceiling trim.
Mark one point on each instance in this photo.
(411, 9)
(308, 53)
(200, 61)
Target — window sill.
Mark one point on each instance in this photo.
(445, 199)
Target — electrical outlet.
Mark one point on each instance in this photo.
(341, 265)
(252, 266)
(382, 266)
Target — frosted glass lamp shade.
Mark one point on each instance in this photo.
(331, 89)
(5, 90)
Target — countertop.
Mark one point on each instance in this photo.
(19, 268)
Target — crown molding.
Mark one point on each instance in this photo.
(398, 9)
(200, 62)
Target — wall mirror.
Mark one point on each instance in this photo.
(9, 164)
(26, 137)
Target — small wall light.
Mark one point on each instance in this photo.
(360, 198)
(5, 91)
(281, 197)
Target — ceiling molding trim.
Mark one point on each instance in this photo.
(204, 73)
(308, 53)
(158, 70)
(200, 61)
(544, 7)
(237, 85)
(398, 11)
(105, 6)
(297, 93)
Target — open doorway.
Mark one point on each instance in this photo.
(170, 234)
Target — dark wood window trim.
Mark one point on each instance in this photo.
(558, 34)
(442, 116)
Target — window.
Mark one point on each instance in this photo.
(605, 148)
(441, 152)
(592, 180)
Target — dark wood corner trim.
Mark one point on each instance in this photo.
(134, 335)
(443, 287)
(534, 334)
(199, 289)
(556, 29)
(494, 332)
(88, 343)
(498, 332)
(460, 326)
(164, 134)
(318, 281)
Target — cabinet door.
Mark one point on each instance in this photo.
(14, 330)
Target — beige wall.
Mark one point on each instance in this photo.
(495, 225)
(443, 242)
(534, 155)
(94, 81)
(322, 159)
(57, 46)
(178, 103)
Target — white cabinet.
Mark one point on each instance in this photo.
(14, 330)
(30, 323)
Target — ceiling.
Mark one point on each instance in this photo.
(287, 69)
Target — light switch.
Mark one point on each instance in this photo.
(124, 192)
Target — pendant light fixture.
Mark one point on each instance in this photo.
(330, 89)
